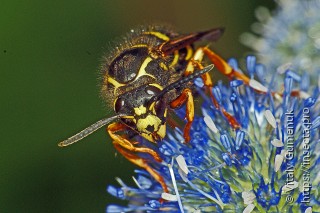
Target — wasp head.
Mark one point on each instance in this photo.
(146, 116)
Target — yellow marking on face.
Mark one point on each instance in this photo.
(150, 120)
(163, 66)
(131, 117)
(128, 117)
(115, 83)
(140, 110)
(158, 35)
(162, 131)
(147, 136)
(189, 53)
(142, 70)
(165, 113)
(175, 59)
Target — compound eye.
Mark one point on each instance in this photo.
(118, 104)
(151, 90)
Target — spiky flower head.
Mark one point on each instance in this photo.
(271, 163)
(291, 36)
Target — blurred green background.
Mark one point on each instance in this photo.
(50, 52)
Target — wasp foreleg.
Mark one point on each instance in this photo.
(142, 163)
(223, 66)
(125, 143)
(185, 97)
(195, 62)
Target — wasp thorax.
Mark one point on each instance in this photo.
(125, 66)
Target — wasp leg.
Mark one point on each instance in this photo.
(196, 62)
(142, 163)
(223, 66)
(227, 70)
(126, 147)
(232, 120)
(123, 142)
(186, 96)
(172, 123)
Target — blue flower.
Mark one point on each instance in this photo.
(271, 163)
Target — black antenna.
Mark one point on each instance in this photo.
(87, 131)
(180, 82)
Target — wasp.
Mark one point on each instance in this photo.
(149, 74)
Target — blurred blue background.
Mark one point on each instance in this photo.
(50, 52)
